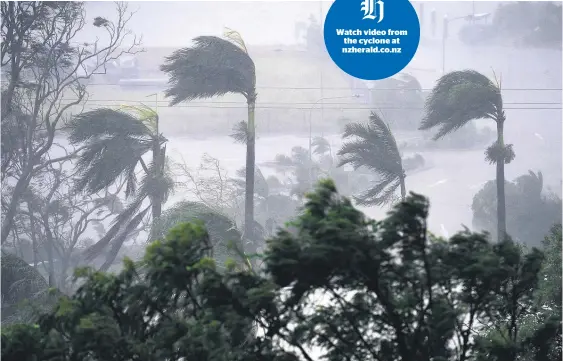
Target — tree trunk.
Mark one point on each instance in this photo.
(156, 202)
(32, 234)
(49, 248)
(63, 286)
(15, 50)
(19, 189)
(158, 164)
(250, 170)
(403, 189)
(501, 202)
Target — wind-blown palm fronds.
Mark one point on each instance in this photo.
(273, 208)
(215, 67)
(22, 282)
(115, 142)
(460, 97)
(240, 132)
(531, 184)
(305, 170)
(212, 67)
(321, 146)
(222, 230)
(261, 188)
(374, 147)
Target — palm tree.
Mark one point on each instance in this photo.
(274, 208)
(374, 147)
(305, 170)
(460, 97)
(115, 142)
(522, 194)
(215, 67)
(321, 146)
(223, 233)
(23, 282)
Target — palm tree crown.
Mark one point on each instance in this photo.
(115, 141)
(373, 146)
(212, 67)
(114, 144)
(460, 97)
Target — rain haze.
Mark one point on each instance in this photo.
(132, 119)
(287, 95)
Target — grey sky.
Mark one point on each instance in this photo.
(167, 23)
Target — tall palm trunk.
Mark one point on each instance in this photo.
(403, 189)
(501, 201)
(158, 165)
(156, 202)
(250, 169)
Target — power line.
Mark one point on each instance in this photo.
(309, 108)
(280, 103)
(324, 88)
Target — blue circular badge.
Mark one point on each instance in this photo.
(372, 39)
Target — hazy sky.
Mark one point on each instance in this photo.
(166, 23)
(175, 23)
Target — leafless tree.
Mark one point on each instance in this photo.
(210, 184)
(58, 219)
(45, 67)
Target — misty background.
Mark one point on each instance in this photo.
(189, 135)
(289, 83)
(303, 95)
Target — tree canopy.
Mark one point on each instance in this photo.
(339, 285)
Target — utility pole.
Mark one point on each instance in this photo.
(444, 37)
(421, 16)
(433, 22)
(322, 61)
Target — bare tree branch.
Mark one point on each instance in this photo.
(46, 67)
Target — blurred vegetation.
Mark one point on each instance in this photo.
(315, 272)
(385, 284)
(530, 210)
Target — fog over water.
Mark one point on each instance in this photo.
(531, 87)
(97, 165)
(531, 82)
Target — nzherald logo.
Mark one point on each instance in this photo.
(372, 10)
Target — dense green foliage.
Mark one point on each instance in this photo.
(538, 334)
(349, 287)
(331, 284)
